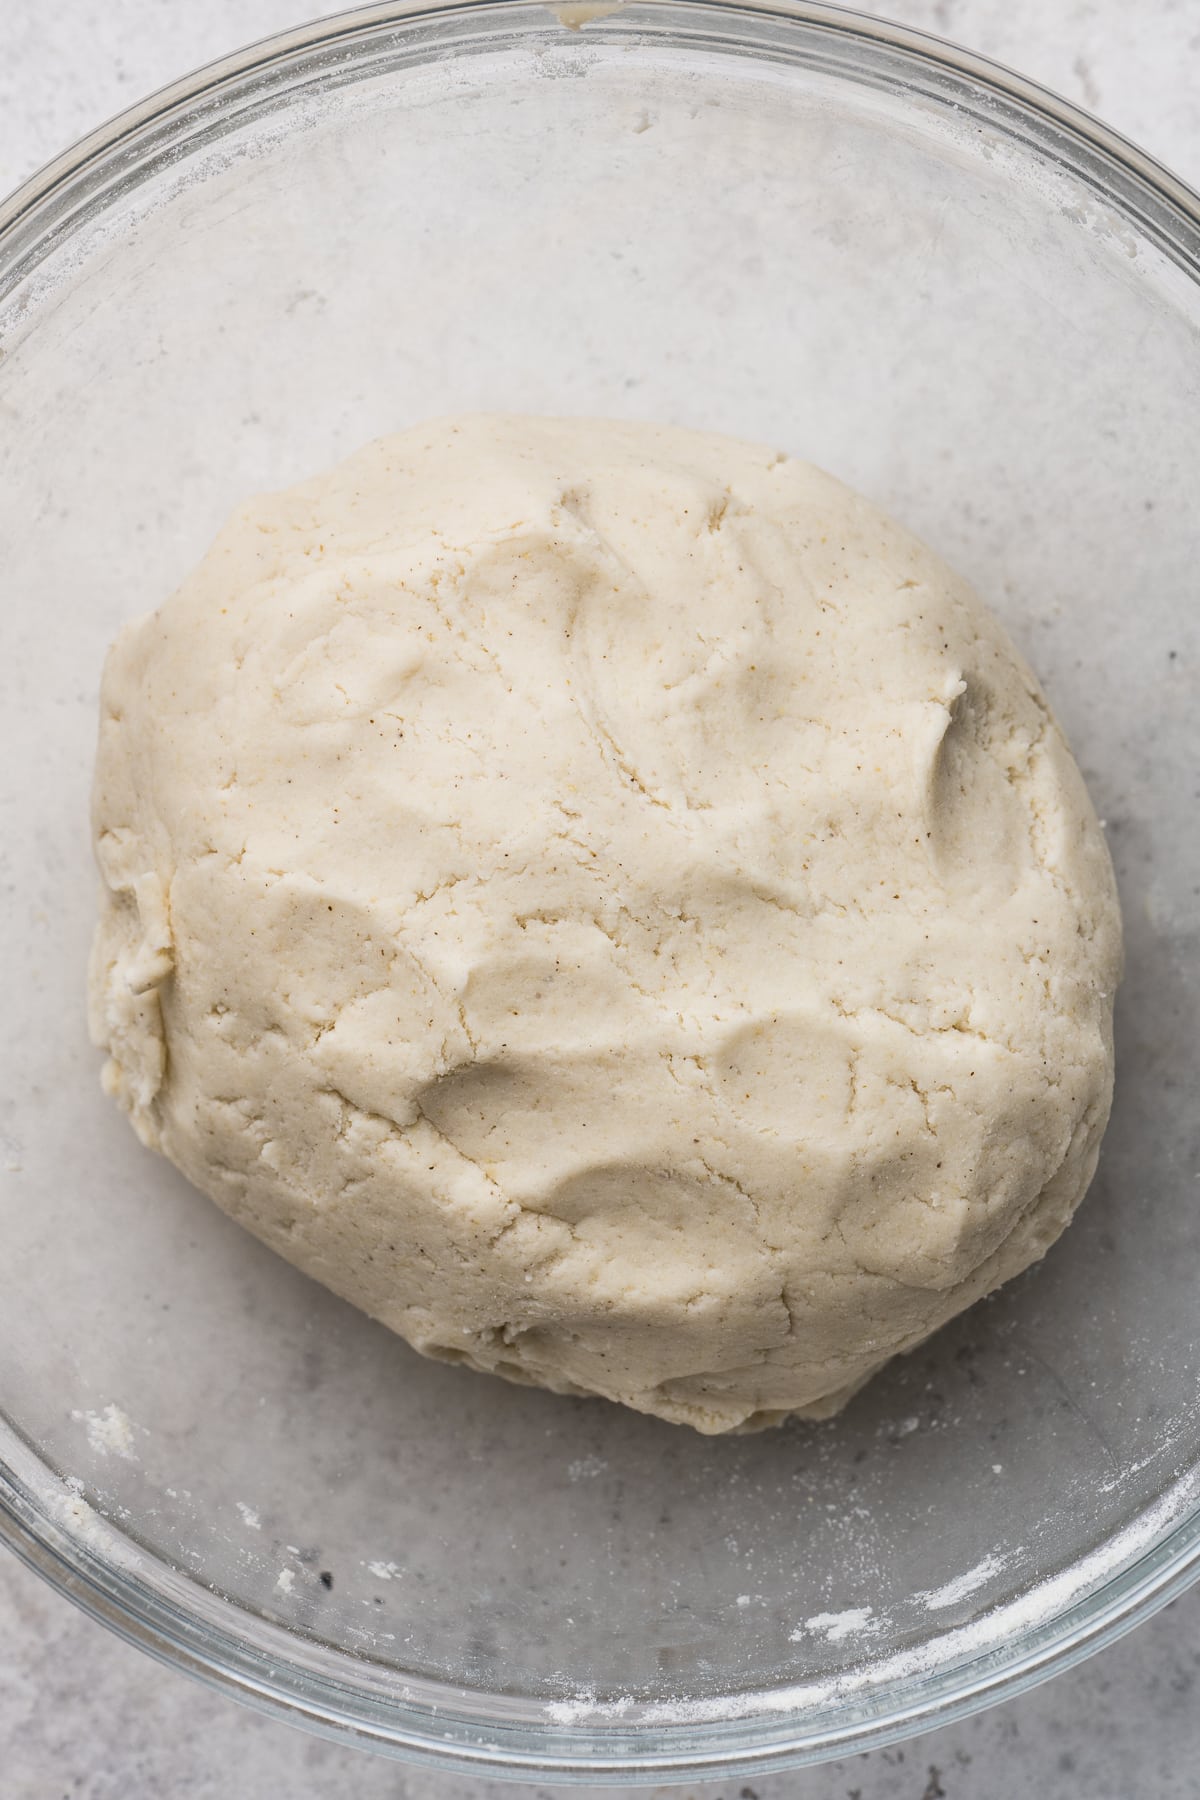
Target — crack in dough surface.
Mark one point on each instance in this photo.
(610, 903)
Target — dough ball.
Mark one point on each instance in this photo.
(610, 903)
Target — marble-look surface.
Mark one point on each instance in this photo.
(84, 1717)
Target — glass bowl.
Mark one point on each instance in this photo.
(782, 221)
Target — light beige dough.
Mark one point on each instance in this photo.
(609, 902)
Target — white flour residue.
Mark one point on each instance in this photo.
(384, 1571)
(65, 1504)
(285, 1581)
(569, 1712)
(1033, 1612)
(855, 1621)
(933, 1599)
(586, 1468)
(1165, 1445)
(110, 1433)
(72, 1510)
(249, 1517)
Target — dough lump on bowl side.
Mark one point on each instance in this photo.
(610, 903)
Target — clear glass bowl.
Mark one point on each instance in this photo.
(781, 221)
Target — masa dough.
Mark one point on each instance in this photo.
(610, 903)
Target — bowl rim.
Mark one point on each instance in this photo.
(169, 1615)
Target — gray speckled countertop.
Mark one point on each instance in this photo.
(82, 1716)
